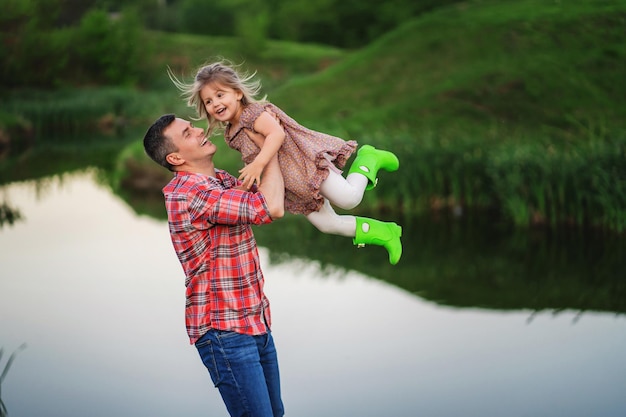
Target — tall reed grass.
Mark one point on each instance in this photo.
(5, 371)
(579, 182)
(68, 114)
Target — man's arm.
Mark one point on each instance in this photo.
(273, 188)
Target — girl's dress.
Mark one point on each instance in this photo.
(304, 158)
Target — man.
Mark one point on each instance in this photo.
(227, 313)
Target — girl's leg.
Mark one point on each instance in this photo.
(327, 221)
(375, 232)
(345, 193)
(369, 160)
(364, 231)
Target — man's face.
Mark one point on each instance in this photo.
(190, 141)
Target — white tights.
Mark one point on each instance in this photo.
(345, 193)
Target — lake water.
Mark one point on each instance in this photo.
(97, 294)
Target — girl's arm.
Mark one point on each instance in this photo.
(267, 125)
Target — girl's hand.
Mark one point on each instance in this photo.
(251, 173)
(268, 135)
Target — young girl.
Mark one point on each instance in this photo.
(310, 161)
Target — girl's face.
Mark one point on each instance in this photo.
(221, 102)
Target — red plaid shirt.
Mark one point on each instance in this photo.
(210, 225)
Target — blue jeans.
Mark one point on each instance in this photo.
(245, 370)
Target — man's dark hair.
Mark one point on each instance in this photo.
(156, 144)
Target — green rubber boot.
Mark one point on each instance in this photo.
(375, 232)
(369, 160)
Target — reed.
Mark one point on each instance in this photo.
(73, 113)
(532, 181)
(5, 371)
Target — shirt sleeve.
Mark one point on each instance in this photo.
(227, 207)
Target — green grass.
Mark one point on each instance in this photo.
(487, 68)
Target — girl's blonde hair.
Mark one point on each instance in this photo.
(221, 72)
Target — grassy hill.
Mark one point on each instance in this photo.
(490, 68)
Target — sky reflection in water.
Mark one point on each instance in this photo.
(97, 294)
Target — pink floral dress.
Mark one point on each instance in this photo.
(304, 158)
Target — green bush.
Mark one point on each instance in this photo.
(107, 47)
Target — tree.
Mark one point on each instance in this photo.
(32, 51)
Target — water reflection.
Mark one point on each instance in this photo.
(97, 293)
(479, 261)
